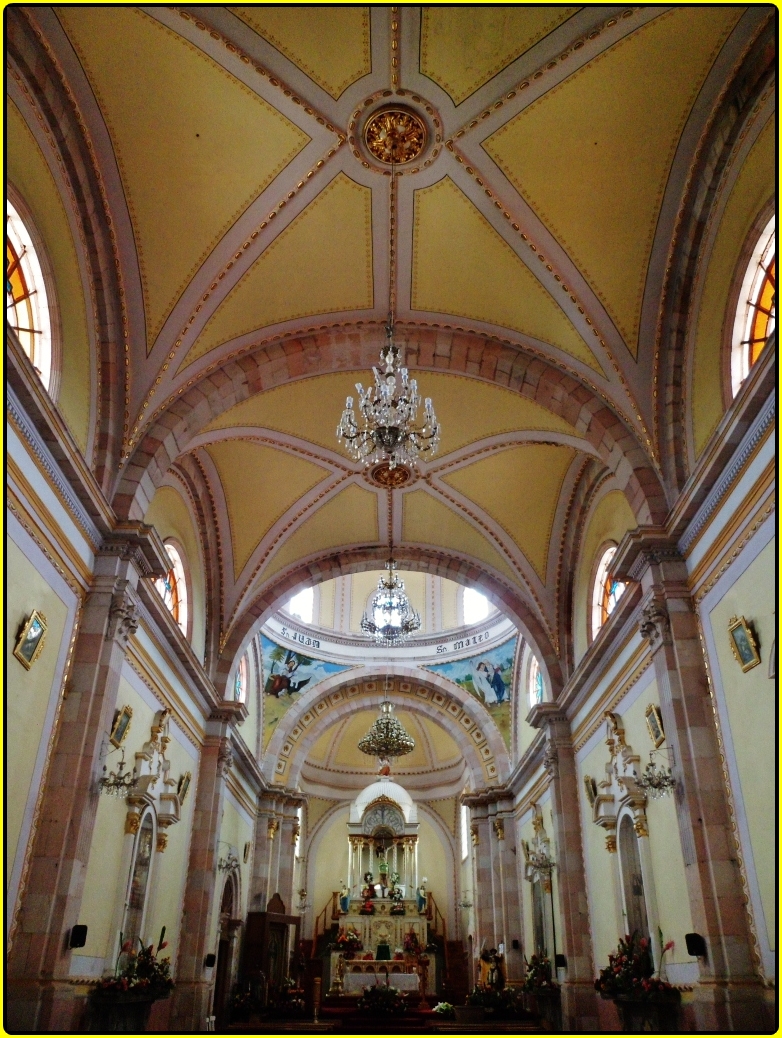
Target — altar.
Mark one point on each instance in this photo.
(355, 981)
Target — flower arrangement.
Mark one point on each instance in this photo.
(382, 1000)
(367, 907)
(288, 1000)
(140, 971)
(348, 940)
(538, 974)
(241, 1006)
(630, 972)
(445, 1010)
(505, 1004)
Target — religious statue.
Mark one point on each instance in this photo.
(339, 977)
(492, 962)
(421, 897)
(344, 898)
(368, 891)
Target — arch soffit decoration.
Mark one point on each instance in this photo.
(443, 702)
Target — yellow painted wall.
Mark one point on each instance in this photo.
(611, 519)
(27, 692)
(435, 861)
(170, 516)
(108, 869)
(751, 700)
(598, 864)
(330, 863)
(29, 173)
(754, 186)
(325, 617)
(235, 831)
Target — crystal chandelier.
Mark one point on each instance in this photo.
(656, 782)
(388, 428)
(117, 783)
(386, 738)
(390, 619)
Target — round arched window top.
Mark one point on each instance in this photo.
(173, 588)
(240, 680)
(26, 302)
(535, 683)
(606, 592)
(756, 311)
(475, 606)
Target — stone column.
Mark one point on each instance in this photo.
(579, 1008)
(264, 839)
(192, 995)
(729, 994)
(510, 892)
(289, 831)
(483, 887)
(38, 995)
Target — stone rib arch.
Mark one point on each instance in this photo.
(414, 690)
(438, 562)
(589, 410)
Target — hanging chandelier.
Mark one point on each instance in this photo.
(387, 737)
(656, 782)
(117, 783)
(388, 428)
(390, 618)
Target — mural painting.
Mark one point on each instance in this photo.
(489, 677)
(287, 674)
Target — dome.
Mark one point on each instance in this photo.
(384, 787)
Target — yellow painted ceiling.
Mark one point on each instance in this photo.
(431, 522)
(462, 266)
(463, 47)
(316, 809)
(348, 518)
(260, 484)
(321, 263)
(29, 173)
(311, 409)
(753, 188)
(519, 488)
(333, 51)
(446, 809)
(194, 145)
(592, 156)
(337, 746)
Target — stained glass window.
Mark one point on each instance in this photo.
(26, 305)
(606, 591)
(173, 589)
(756, 310)
(240, 680)
(535, 683)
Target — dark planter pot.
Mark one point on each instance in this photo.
(469, 1014)
(549, 1007)
(650, 1015)
(113, 1012)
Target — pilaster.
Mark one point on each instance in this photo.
(729, 995)
(39, 959)
(579, 1008)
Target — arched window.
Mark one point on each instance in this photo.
(302, 605)
(173, 588)
(475, 606)
(26, 303)
(136, 902)
(240, 680)
(606, 592)
(535, 683)
(465, 830)
(756, 310)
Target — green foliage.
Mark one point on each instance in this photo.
(630, 972)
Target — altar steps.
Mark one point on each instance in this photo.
(351, 1021)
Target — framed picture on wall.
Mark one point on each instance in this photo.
(184, 785)
(29, 642)
(590, 788)
(654, 723)
(121, 726)
(743, 643)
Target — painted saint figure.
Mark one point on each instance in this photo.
(482, 683)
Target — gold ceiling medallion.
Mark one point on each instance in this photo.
(395, 135)
(384, 476)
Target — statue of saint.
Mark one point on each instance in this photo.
(344, 898)
(421, 897)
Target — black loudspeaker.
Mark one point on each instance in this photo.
(78, 936)
(560, 961)
(514, 944)
(695, 944)
(210, 960)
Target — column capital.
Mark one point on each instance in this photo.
(123, 613)
(229, 712)
(140, 544)
(655, 623)
(644, 550)
(548, 715)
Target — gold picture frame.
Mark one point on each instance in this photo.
(654, 723)
(30, 639)
(121, 726)
(590, 788)
(184, 785)
(743, 643)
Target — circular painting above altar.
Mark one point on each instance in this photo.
(384, 817)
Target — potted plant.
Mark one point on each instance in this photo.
(643, 1000)
(122, 1003)
(445, 1010)
(348, 942)
(382, 1000)
(473, 1011)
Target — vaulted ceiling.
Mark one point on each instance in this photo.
(531, 240)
